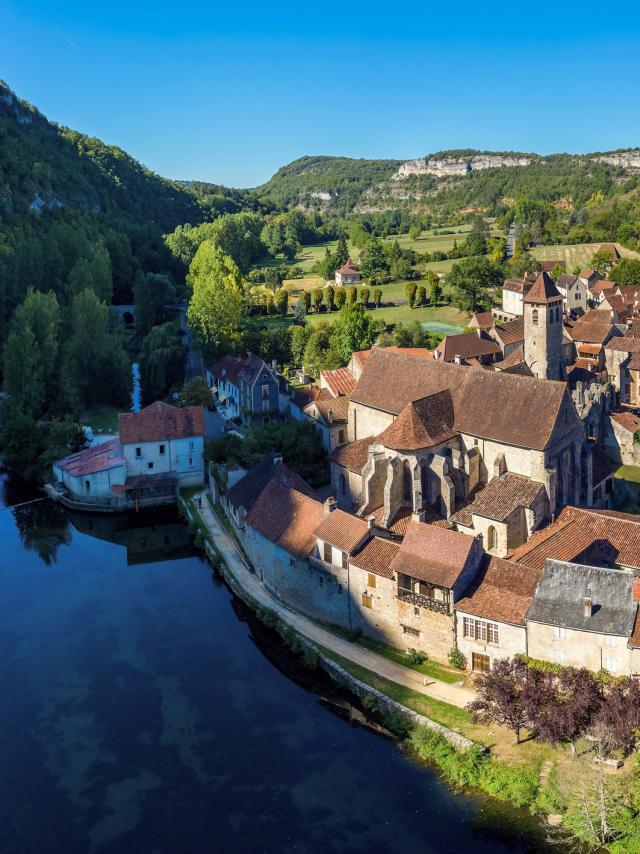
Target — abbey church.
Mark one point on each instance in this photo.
(492, 453)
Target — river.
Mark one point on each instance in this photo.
(144, 710)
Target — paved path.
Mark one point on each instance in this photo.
(456, 695)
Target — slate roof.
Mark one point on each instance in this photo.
(339, 382)
(331, 409)
(503, 591)
(502, 495)
(517, 410)
(286, 516)
(354, 455)
(543, 291)
(466, 345)
(609, 537)
(558, 600)
(101, 457)
(421, 424)
(227, 368)
(433, 554)
(251, 368)
(247, 490)
(567, 281)
(160, 421)
(376, 556)
(343, 530)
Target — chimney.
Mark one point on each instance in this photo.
(420, 516)
(457, 359)
(330, 504)
(330, 416)
(436, 354)
(587, 603)
(277, 459)
(371, 521)
(635, 589)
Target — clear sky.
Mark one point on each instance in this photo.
(228, 92)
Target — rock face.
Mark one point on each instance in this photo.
(625, 159)
(443, 167)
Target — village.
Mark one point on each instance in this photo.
(470, 513)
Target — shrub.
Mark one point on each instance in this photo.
(457, 659)
(416, 656)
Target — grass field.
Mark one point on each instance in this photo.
(628, 473)
(102, 419)
(576, 255)
(439, 318)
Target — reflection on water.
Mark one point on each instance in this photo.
(144, 710)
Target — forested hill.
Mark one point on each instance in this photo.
(448, 181)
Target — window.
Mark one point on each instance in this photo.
(138, 452)
(492, 538)
(341, 436)
(191, 445)
(416, 611)
(551, 317)
(534, 316)
(328, 553)
(371, 580)
(345, 560)
(409, 630)
(87, 487)
(163, 450)
(559, 632)
(150, 466)
(265, 390)
(190, 462)
(367, 601)
(480, 630)
(558, 314)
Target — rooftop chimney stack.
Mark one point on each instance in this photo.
(419, 516)
(277, 459)
(371, 521)
(587, 603)
(330, 505)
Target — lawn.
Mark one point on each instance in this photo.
(101, 419)
(440, 318)
(628, 473)
(428, 668)
(575, 255)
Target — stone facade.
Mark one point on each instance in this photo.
(512, 640)
(575, 648)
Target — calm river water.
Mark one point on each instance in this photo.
(144, 711)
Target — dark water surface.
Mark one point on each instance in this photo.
(143, 710)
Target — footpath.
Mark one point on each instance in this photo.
(455, 695)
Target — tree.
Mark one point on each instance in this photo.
(92, 272)
(145, 309)
(353, 330)
(373, 261)
(433, 286)
(299, 338)
(619, 714)
(365, 293)
(329, 293)
(470, 280)
(341, 255)
(316, 298)
(414, 232)
(306, 300)
(197, 393)
(340, 297)
(238, 236)
(626, 272)
(161, 361)
(421, 295)
(557, 272)
(410, 290)
(23, 371)
(281, 301)
(499, 696)
(353, 295)
(577, 698)
(602, 261)
(216, 305)
(521, 264)
(377, 296)
(320, 354)
(40, 313)
(271, 309)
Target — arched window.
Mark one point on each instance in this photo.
(407, 491)
(551, 315)
(534, 316)
(558, 314)
(343, 485)
(492, 538)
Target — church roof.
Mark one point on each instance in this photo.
(544, 290)
(421, 424)
(509, 408)
(347, 267)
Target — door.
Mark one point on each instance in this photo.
(480, 663)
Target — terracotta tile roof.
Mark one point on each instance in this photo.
(610, 247)
(304, 396)
(228, 368)
(602, 286)
(286, 516)
(518, 410)
(518, 286)
(627, 419)
(332, 410)
(160, 421)
(433, 554)
(247, 490)
(354, 455)
(514, 358)
(617, 303)
(481, 320)
(339, 382)
(502, 495)
(588, 273)
(549, 264)
(509, 333)
(624, 344)
(614, 536)
(590, 349)
(417, 352)
(634, 640)
(421, 424)
(347, 267)
(100, 457)
(466, 345)
(343, 530)
(376, 556)
(398, 524)
(360, 357)
(503, 591)
(544, 290)
(594, 327)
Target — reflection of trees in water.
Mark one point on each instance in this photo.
(43, 527)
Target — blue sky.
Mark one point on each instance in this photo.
(230, 92)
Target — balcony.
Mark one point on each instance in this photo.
(423, 601)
